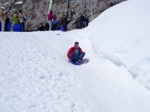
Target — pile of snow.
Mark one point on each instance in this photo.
(124, 38)
(35, 74)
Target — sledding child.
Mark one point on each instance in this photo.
(75, 53)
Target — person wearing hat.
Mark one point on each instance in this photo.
(75, 53)
(2, 19)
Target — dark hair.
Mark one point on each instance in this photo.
(76, 43)
(20, 11)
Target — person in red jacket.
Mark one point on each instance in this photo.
(75, 53)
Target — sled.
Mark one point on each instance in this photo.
(86, 60)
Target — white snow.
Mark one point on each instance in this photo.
(20, 2)
(35, 75)
(6, 3)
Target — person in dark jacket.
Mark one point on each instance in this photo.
(82, 19)
(75, 53)
(6, 22)
(55, 23)
(41, 27)
(47, 27)
(86, 21)
(64, 22)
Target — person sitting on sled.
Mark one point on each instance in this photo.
(75, 53)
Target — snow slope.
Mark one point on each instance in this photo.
(35, 75)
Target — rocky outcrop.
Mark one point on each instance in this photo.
(36, 10)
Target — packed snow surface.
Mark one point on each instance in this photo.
(36, 76)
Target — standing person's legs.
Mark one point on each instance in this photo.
(87, 23)
(62, 28)
(50, 25)
(57, 27)
(81, 25)
(6, 26)
(2, 25)
(22, 26)
(65, 28)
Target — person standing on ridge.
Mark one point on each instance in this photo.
(55, 23)
(7, 21)
(14, 19)
(21, 20)
(2, 19)
(64, 22)
(15, 23)
(50, 18)
(86, 21)
(82, 19)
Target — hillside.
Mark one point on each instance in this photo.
(36, 10)
(36, 76)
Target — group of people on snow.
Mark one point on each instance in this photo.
(17, 19)
(56, 24)
(17, 23)
(61, 23)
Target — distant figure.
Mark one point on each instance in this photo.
(110, 5)
(15, 19)
(56, 23)
(7, 21)
(15, 24)
(82, 18)
(21, 20)
(75, 53)
(41, 27)
(2, 19)
(64, 22)
(86, 21)
(50, 18)
(47, 27)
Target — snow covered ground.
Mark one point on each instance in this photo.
(35, 75)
